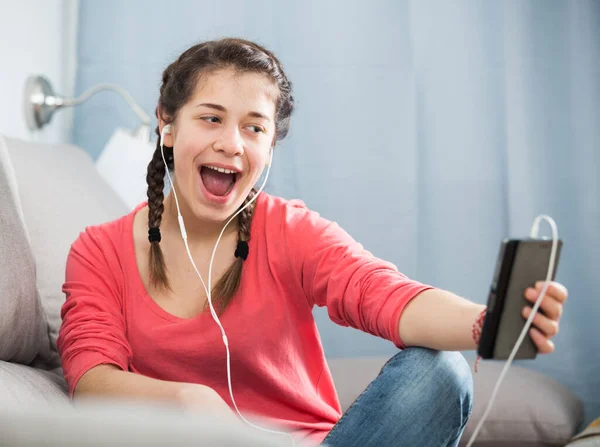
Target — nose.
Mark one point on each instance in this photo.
(229, 142)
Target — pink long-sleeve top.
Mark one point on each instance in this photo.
(297, 260)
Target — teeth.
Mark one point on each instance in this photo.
(226, 171)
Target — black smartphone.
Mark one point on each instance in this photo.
(520, 264)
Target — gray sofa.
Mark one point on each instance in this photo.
(48, 194)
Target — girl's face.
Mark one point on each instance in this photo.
(221, 142)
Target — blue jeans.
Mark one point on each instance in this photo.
(421, 397)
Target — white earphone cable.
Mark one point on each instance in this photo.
(551, 265)
(208, 289)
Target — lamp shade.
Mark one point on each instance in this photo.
(123, 164)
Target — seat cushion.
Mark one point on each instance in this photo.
(588, 437)
(24, 386)
(531, 409)
(23, 327)
(61, 193)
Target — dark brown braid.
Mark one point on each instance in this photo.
(155, 178)
(246, 217)
(179, 83)
(229, 283)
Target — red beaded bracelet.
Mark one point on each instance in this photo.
(476, 332)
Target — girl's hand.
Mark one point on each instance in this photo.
(545, 326)
(199, 398)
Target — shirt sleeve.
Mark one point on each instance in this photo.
(93, 325)
(358, 289)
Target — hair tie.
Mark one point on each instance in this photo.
(154, 234)
(242, 250)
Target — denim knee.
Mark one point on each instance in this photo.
(444, 378)
(421, 397)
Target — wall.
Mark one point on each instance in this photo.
(38, 37)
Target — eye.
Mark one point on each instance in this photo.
(211, 119)
(255, 129)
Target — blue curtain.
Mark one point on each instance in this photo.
(429, 130)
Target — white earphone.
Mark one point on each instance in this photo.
(167, 130)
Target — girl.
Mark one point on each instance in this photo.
(136, 321)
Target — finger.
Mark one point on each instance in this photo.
(543, 344)
(555, 289)
(541, 322)
(550, 306)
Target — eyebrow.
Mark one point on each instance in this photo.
(223, 109)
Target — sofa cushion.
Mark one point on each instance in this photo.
(61, 193)
(27, 387)
(531, 409)
(23, 327)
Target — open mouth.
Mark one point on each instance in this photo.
(218, 181)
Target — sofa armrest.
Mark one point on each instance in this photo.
(25, 386)
(94, 423)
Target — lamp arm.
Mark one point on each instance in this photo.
(143, 116)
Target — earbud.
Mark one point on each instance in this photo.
(166, 129)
